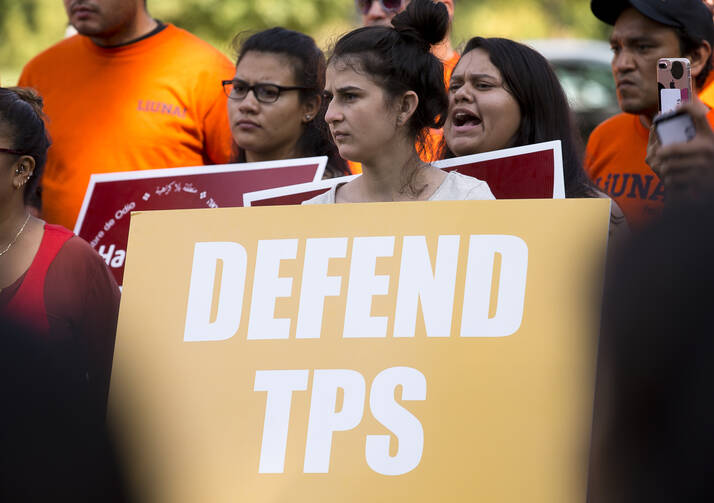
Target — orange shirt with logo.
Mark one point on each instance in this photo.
(615, 162)
(153, 103)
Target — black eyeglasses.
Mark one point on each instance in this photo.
(388, 5)
(11, 151)
(265, 93)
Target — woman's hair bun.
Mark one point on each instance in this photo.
(424, 20)
(30, 97)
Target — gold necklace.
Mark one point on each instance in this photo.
(16, 236)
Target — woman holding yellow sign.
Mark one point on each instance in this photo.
(385, 90)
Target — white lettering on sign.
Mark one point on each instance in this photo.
(396, 419)
(96, 239)
(363, 284)
(280, 385)
(434, 287)
(475, 320)
(324, 419)
(123, 211)
(206, 256)
(106, 253)
(118, 259)
(268, 286)
(316, 284)
(112, 256)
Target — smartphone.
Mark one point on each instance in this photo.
(674, 81)
(674, 127)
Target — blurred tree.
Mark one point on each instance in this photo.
(218, 21)
(29, 26)
(526, 19)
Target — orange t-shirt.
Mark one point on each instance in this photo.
(707, 94)
(433, 139)
(615, 162)
(153, 103)
(449, 65)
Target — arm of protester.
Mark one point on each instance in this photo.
(619, 230)
(686, 169)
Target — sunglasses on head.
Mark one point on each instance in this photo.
(388, 5)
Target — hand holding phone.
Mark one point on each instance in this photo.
(681, 153)
(674, 127)
(674, 82)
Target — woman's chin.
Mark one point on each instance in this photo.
(464, 148)
(350, 154)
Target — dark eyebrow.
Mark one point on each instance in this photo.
(474, 76)
(633, 40)
(255, 83)
(347, 89)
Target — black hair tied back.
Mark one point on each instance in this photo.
(424, 21)
(399, 60)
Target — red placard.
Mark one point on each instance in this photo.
(110, 198)
(530, 172)
(292, 194)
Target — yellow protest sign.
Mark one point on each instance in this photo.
(420, 352)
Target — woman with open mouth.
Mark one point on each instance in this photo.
(385, 90)
(504, 94)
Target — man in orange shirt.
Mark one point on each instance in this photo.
(644, 31)
(127, 93)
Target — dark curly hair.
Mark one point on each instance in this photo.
(545, 112)
(308, 65)
(687, 45)
(21, 112)
(398, 59)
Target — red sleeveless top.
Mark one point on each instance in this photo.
(28, 303)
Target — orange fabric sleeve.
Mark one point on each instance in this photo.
(707, 94)
(449, 66)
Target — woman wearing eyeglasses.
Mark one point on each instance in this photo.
(386, 91)
(275, 105)
(52, 283)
